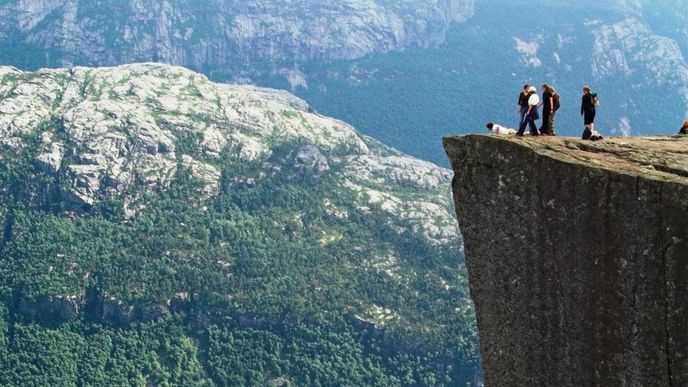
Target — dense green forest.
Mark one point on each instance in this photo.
(241, 289)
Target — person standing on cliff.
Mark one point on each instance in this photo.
(531, 114)
(522, 104)
(546, 109)
(588, 109)
(554, 107)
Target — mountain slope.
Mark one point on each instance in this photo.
(160, 228)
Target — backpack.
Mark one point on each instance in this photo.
(555, 98)
(595, 100)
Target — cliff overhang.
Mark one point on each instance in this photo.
(578, 257)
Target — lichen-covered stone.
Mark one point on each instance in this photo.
(578, 258)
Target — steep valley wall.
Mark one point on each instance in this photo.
(578, 258)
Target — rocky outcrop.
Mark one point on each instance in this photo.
(50, 158)
(216, 34)
(578, 258)
(309, 159)
(57, 309)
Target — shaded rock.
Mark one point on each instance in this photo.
(309, 158)
(124, 313)
(85, 184)
(150, 312)
(50, 158)
(60, 308)
(116, 310)
(179, 302)
(578, 258)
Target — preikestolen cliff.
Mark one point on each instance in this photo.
(577, 257)
(255, 193)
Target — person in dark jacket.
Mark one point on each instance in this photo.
(684, 128)
(531, 114)
(588, 108)
(546, 109)
(522, 104)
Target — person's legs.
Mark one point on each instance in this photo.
(533, 127)
(523, 115)
(521, 128)
(590, 119)
(550, 124)
(545, 129)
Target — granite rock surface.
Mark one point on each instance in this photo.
(578, 258)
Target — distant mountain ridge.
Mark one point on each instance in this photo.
(215, 34)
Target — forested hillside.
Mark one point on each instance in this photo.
(161, 229)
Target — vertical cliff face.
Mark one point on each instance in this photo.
(578, 258)
(215, 34)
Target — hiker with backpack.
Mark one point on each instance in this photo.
(531, 114)
(589, 105)
(550, 105)
(554, 107)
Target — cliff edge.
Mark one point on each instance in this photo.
(578, 257)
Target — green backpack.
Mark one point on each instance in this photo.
(595, 100)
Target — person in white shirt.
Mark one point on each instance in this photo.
(499, 130)
(532, 113)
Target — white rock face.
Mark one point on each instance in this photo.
(138, 125)
(215, 33)
(631, 46)
(631, 41)
(50, 159)
(529, 51)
